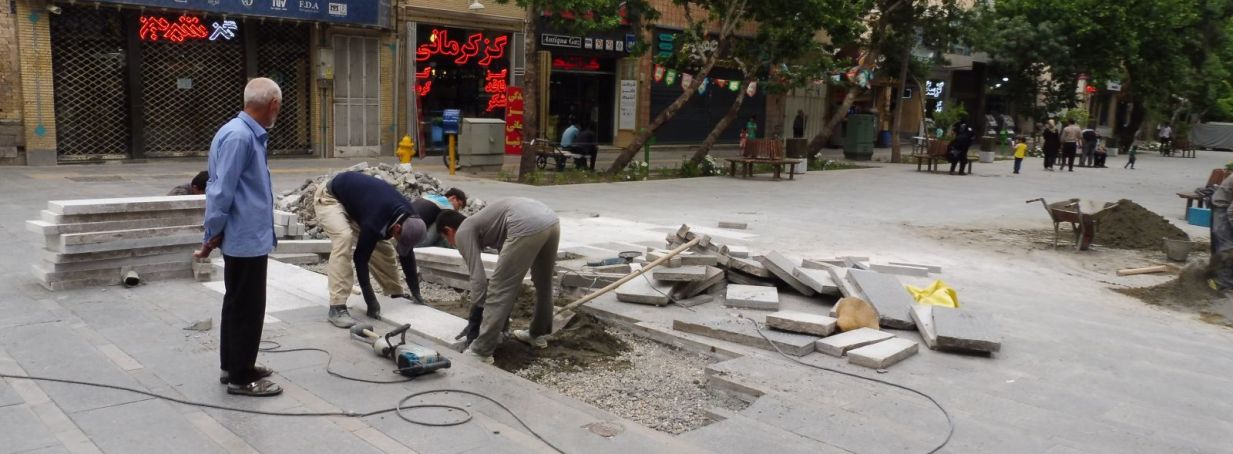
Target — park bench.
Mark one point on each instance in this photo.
(1217, 176)
(766, 152)
(930, 155)
(1180, 147)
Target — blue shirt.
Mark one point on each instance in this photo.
(239, 195)
(567, 138)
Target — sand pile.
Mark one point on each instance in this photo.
(1130, 226)
(411, 184)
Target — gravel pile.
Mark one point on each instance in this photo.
(652, 384)
(410, 184)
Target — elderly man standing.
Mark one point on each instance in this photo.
(240, 219)
(526, 232)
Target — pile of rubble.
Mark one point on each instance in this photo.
(709, 271)
(299, 201)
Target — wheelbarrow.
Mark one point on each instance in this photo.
(1082, 225)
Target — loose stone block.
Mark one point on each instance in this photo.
(737, 277)
(280, 231)
(588, 280)
(63, 219)
(801, 322)
(748, 266)
(733, 225)
(694, 300)
(687, 258)
(888, 296)
(818, 280)
(840, 344)
(45, 228)
(840, 276)
(900, 269)
(931, 268)
(962, 330)
(752, 297)
(126, 204)
(740, 252)
(680, 274)
(922, 314)
(297, 259)
(284, 218)
(823, 264)
(783, 268)
(618, 269)
(304, 247)
(644, 290)
(745, 333)
(883, 354)
(685, 290)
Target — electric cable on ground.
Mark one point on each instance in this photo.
(950, 422)
(400, 409)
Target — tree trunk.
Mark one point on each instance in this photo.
(530, 96)
(819, 141)
(1126, 135)
(627, 154)
(896, 154)
(719, 128)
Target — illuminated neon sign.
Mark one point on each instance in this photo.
(575, 63)
(440, 44)
(155, 29)
(422, 89)
(496, 86)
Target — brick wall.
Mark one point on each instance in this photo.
(12, 139)
(38, 106)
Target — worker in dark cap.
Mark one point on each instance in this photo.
(360, 211)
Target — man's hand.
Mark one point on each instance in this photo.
(208, 246)
(473, 325)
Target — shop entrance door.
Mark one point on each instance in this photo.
(586, 96)
(356, 83)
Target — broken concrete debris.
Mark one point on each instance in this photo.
(840, 344)
(922, 314)
(881, 355)
(752, 297)
(88, 242)
(801, 322)
(744, 332)
(963, 330)
(887, 295)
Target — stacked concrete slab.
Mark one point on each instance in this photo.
(444, 266)
(287, 225)
(92, 242)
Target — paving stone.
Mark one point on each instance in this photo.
(737, 277)
(922, 314)
(931, 268)
(62, 219)
(883, 354)
(748, 266)
(740, 252)
(743, 331)
(297, 259)
(46, 228)
(733, 225)
(823, 264)
(619, 269)
(305, 247)
(900, 269)
(127, 204)
(173, 236)
(180, 255)
(839, 275)
(119, 235)
(963, 330)
(840, 344)
(680, 274)
(22, 431)
(446, 279)
(284, 218)
(693, 301)
(820, 281)
(644, 290)
(888, 296)
(801, 322)
(784, 269)
(574, 279)
(752, 297)
(86, 257)
(687, 258)
(426, 322)
(447, 256)
(280, 231)
(686, 290)
(856, 262)
(80, 279)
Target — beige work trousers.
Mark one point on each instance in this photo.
(536, 252)
(343, 232)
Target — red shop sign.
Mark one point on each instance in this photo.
(513, 120)
(439, 43)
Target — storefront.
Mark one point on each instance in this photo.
(137, 81)
(460, 69)
(583, 81)
(704, 110)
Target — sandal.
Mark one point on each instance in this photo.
(259, 388)
(261, 371)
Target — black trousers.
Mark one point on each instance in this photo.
(1050, 158)
(1068, 155)
(243, 316)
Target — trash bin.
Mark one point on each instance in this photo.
(858, 143)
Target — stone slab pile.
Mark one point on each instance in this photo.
(299, 201)
(287, 225)
(444, 266)
(92, 242)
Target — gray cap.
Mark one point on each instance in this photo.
(413, 230)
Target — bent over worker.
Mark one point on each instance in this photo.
(526, 232)
(360, 211)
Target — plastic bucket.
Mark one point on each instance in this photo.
(1177, 250)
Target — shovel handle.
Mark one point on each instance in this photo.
(630, 276)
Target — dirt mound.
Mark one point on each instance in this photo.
(1130, 226)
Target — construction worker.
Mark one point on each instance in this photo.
(360, 211)
(1222, 235)
(526, 232)
(195, 187)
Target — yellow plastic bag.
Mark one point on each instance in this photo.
(937, 294)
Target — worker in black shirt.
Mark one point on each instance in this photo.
(360, 211)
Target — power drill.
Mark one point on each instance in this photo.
(412, 360)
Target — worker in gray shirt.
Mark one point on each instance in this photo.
(526, 232)
(1222, 234)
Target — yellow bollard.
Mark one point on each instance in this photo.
(453, 156)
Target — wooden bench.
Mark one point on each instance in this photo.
(1180, 147)
(763, 151)
(935, 152)
(1217, 176)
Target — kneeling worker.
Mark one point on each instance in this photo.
(526, 233)
(360, 211)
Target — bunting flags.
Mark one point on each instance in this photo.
(670, 79)
(686, 79)
(659, 73)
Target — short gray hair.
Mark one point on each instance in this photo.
(260, 91)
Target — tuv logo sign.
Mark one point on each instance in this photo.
(279, 4)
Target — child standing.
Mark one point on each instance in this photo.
(1020, 152)
(744, 140)
(1130, 163)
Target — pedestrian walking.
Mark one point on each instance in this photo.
(526, 234)
(1020, 153)
(798, 125)
(1052, 145)
(1166, 139)
(957, 152)
(239, 219)
(1130, 155)
(1090, 139)
(1102, 154)
(1070, 144)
